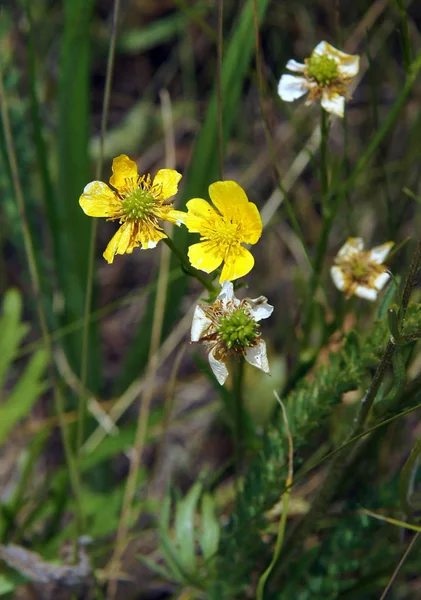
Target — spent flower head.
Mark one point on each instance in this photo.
(223, 229)
(359, 272)
(324, 76)
(137, 202)
(230, 328)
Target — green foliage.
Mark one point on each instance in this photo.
(19, 400)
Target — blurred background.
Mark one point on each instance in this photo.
(163, 112)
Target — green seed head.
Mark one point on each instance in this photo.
(138, 204)
(238, 330)
(323, 69)
(359, 269)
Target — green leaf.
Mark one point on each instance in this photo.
(184, 527)
(29, 386)
(209, 538)
(12, 331)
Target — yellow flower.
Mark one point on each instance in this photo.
(234, 221)
(137, 202)
(360, 272)
(324, 76)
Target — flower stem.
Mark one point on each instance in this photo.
(188, 268)
(324, 175)
(238, 419)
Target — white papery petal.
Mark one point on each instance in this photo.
(381, 280)
(351, 246)
(226, 295)
(338, 277)
(321, 48)
(257, 356)
(293, 65)
(219, 368)
(199, 325)
(291, 87)
(349, 66)
(365, 292)
(259, 308)
(378, 254)
(333, 103)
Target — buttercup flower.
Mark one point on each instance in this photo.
(325, 75)
(229, 328)
(137, 202)
(360, 272)
(234, 221)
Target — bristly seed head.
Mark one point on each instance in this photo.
(238, 329)
(138, 204)
(323, 69)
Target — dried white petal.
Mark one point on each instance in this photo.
(200, 324)
(295, 66)
(218, 367)
(381, 280)
(257, 356)
(338, 277)
(259, 308)
(378, 254)
(333, 103)
(291, 87)
(363, 291)
(351, 246)
(226, 295)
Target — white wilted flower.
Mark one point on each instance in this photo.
(229, 328)
(324, 76)
(361, 272)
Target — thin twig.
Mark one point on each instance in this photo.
(92, 242)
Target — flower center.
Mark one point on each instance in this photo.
(137, 204)
(238, 329)
(360, 269)
(323, 69)
(226, 234)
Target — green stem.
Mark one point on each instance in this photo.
(324, 174)
(278, 546)
(187, 266)
(92, 242)
(405, 38)
(238, 418)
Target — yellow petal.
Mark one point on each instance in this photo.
(98, 200)
(205, 256)
(251, 223)
(124, 172)
(226, 195)
(147, 235)
(167, 180)
(237, 264)
(120, 243)
(200, 215)
(174, 216)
